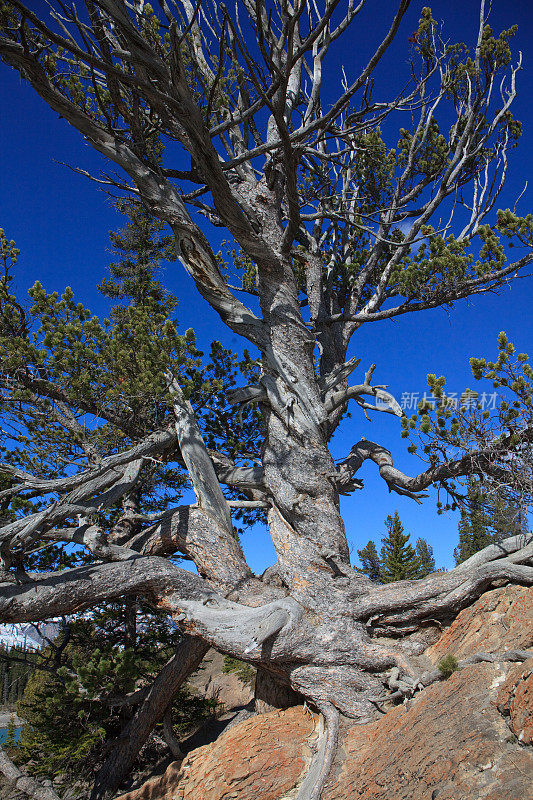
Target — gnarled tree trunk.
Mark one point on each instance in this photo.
(328, 219)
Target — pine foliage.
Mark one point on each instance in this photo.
(69, 710)
(110, 374)
(370, 562)
(486, 521)
(398, 560)
(424, 552)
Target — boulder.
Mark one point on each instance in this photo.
(260, 759)
(212, 682)
(157, 788)
(515, 701)
(450, 743)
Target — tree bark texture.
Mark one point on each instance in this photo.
(153, 709)
(286, 174)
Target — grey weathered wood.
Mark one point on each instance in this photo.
(313, 622)
(326, 748)
(197, 460)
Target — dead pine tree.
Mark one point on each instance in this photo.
(335, 229)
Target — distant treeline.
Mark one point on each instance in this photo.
(16, 666)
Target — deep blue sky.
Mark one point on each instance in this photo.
(61, 222)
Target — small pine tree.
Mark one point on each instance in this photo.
(11, 739)
(70, 722)
(371, 564)
(424, 552)
(140, 249)
(474, 527)
(448, 665)
(486, 522)
(399, 559)
(508, 519)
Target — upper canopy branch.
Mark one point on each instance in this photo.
(267, 172)
(486, 460)
(89, 498)
(154, 443)
(197, 459)
(385, 401)
(158, 193)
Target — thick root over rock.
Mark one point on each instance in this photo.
(319, 770)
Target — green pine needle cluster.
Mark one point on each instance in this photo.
(398, 559)
(498, 415)
(69, 717)
(447, 666)
(75, 385)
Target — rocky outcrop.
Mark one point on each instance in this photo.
(499, 620)
(451, 743)
(212, 682)
(515, 701)
(159, 787)
(260, 759)
(466, 738)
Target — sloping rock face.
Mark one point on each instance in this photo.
(515, 700)
(256, 761)
(467, 738)
(500, 620)
(452, 743)
(212, 682)
(157, 788)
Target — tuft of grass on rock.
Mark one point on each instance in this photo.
(448, 665)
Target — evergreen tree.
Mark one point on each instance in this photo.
(140, 249)
(399, 559)
(11, 739)
(339, 224)
(370, 562)
(485, 521)
(424, 552)
(16, 667)
(508, 519)
(124, 643)
(474, 527)
(75, 711)
(394, 551)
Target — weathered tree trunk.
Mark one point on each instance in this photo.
(271, 693)
(324, 630)
(152, 710)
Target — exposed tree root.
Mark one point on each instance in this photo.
(427, 678)
(405, 686)
(171, 740)
(332, 656)
(399, 608)
(320, 767)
